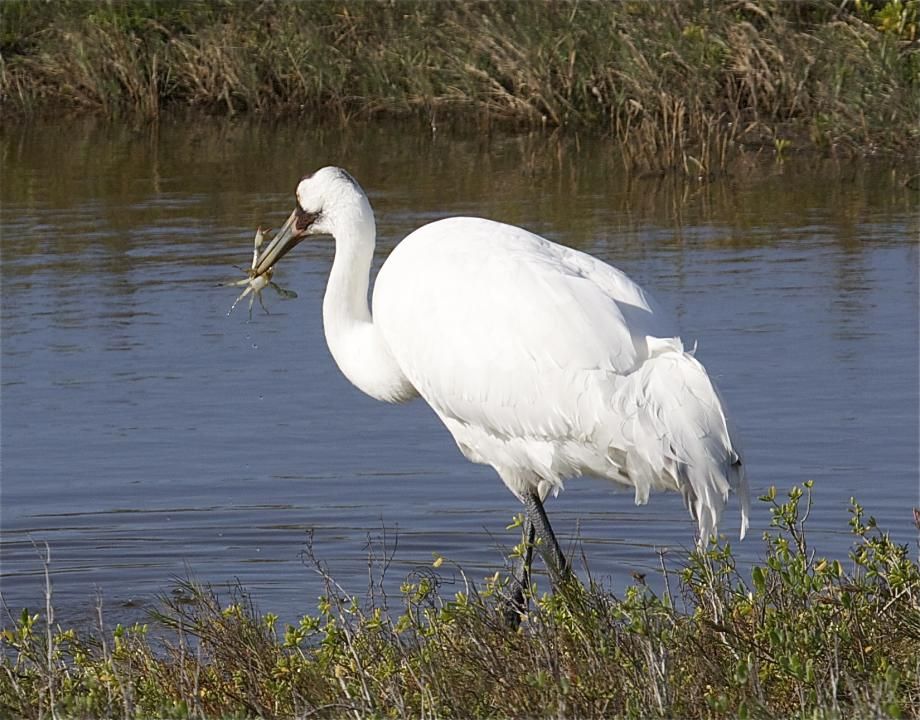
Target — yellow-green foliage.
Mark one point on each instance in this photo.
(803, 636)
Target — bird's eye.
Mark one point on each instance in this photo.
(305, 219)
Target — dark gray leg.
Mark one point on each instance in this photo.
(549, 548)
(523, 580)
(536, 525)
(520, 579)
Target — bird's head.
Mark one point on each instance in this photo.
(326, 201)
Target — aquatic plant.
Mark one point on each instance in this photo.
(801, 636)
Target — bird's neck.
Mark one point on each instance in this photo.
(354, 341)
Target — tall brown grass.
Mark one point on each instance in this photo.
(681, 84)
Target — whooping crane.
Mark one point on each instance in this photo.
(542, 361)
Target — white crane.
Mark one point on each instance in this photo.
(542, 361)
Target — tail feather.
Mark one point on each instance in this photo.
(677, 435)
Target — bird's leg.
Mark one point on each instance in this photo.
(520, 579)
(552, 554)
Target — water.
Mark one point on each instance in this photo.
(148, 436)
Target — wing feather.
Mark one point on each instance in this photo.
(500, 328)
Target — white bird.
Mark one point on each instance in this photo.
(542, 361)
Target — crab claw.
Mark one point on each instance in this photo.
(257, 244)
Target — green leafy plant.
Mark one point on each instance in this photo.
(797, 635)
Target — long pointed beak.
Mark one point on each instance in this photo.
(285, 239)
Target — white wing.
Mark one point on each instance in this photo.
(530, 353)
(498, 327)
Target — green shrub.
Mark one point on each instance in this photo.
(801, 636)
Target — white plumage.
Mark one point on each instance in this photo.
(541, 361)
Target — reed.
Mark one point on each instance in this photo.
(799, 636)
(680, 85)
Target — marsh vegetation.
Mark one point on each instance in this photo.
(800, 636)
(681, 86)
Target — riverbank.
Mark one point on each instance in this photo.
(801, 637)
(682, 85)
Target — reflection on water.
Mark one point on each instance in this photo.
(146, 435)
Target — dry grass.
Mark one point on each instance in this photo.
(681, 86)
